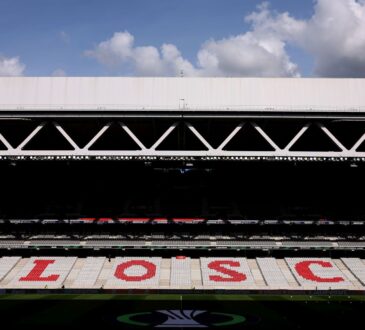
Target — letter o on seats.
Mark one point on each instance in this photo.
(120, 271)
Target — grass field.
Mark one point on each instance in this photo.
(133, 311)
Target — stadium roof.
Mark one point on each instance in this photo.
(177, 94)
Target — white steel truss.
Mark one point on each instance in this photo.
(207, 152)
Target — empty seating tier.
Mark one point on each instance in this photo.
(182, 273)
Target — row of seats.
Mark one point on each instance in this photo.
(182, 272)
(139, 220)
(192, 220)
(88, 274)
(53, 243)
(174, 242)
(6, 264)
(273, 275)
(357, 268)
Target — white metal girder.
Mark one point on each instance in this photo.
(297, 137)
(199, 136)
(231, 136)
(5, 142)
(265, 136)
(211, 152)
(31, 136)
(331, 136)
(132, 135)
(164, 136)
(66, 136)
(97, 136)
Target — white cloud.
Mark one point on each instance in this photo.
(245, 55)
(334, 37)
(11, 66)
(339, 43)
(59, 73)
(248, 54)
(119, 50)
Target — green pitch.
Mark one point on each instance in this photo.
(137, 311)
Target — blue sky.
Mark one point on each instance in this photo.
(47, 35)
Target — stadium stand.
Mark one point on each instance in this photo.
(215, 184)
(180, 273)
(272, 273)
(6, 264)
(173, 242)
(88, 273)
(357, 268)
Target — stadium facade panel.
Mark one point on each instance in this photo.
(208, 119)
(122, 94)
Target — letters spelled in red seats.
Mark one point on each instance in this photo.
(303, 269)
(120, 271)
(233, 275)
(36, 273)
